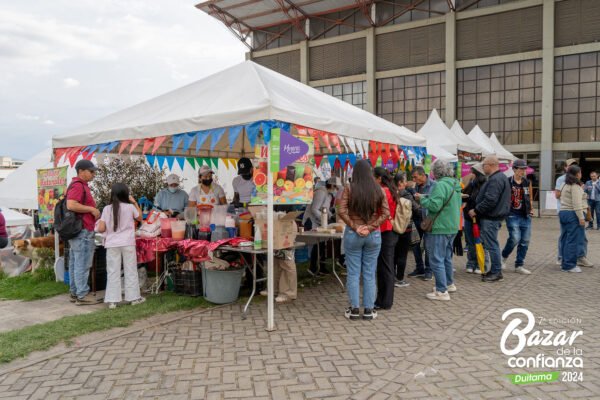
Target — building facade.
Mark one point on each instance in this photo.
(528, 70)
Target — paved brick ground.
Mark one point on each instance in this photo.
(420, 349)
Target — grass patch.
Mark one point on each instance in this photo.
(21, 342)
(28, 287)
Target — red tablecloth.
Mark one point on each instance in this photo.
(194, 250)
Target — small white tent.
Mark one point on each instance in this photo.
(19, 189)
(465, 142)
(14, 218)
(437, 134)
(482, 140)
(501, 152)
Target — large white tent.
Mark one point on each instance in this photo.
(439, 142)
(482, 140)
(243, 94)
(14, 218)
(501, 152)
(465, 141)
(19, 189)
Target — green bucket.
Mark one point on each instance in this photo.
(221, 287)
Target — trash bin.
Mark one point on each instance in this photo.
(221, 287)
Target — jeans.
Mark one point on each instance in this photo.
(595, 209)
(386, 270)
(401, 253)
(471, 253)
(115, 257)
(519, 233)
(572, 238)
(421, 266)
(439, 247)
(81, 253)
(489, 237)
(361, 259)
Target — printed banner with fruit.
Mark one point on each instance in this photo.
(52, 184)
(292, 185)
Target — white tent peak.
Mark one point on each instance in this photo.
(244, 93)
(501, 152)
(465, 142)
(437, 133)
(482, 140)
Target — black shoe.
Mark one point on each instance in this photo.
(493, 278)
(380, 308)
(416, 273)
(427, 277)
(73, 298)
(352, 313)
(369, 314)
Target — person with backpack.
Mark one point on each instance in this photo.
(518, 222)
(440, 227)
(407, 207)
(385, 261)
(81, 246)
(118, 225)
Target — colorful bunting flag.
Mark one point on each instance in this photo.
(215, 136)
(160, 160)
(150, 159)
(124, 145)
(192, 162)
(234, 133)
(148, 143)
(318, 159)
(332, 158)
(170, 161)
(158, 141)
(177, 139)
(352, 158)
(200, 139)
(188, 138)
(252, 130)
(134, 144)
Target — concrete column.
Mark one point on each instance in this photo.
(371, 104)
(546, 159)
(450, 68)
(304, 62)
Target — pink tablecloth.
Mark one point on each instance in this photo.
(194, 250)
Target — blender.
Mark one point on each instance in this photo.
(218, 217)
(191, 218)
(204, 218)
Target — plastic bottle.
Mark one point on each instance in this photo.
(257, 238)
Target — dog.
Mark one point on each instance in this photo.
(28, 248)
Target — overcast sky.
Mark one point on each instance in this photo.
(64, 63)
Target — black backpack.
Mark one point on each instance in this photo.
(67, 223)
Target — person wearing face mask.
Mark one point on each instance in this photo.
(207, 192)
(172, 199)
(243, 186)
(322, 198)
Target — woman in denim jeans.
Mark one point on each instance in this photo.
(572, 219)
(363, 208)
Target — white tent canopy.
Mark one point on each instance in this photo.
(437, 134)
(501, 152)
(242, 94)
(19, 189)
(482, 140)
(14, 218)
(465, 142)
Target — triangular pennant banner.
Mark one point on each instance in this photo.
(87, 156)
(177, 139)
(170, 161)
(266, 128)
(112, 146)
(147, 145)
(200, 139)
(160, 160)
(200, 161)
(373, 158)
(192, 161)
(215, 162)
(74, 155)
(215, 136)
(58, 155)
(335, 142)
(180, 161)
(188, 138)
(103, 147)
(352, 158)
(91, 149)
(124, 145)
(234, 133)
(302, 131)
(150, 159)
(343, 159)
(134, 144)
(318, 159)
(325, 137)
(332, 158)
(252, 130)
(157, 143)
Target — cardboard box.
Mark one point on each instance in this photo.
(285, 231)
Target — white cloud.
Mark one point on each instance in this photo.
(70, 83)
(26, 117)
(49, 122)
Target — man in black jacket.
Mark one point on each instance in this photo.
(493, 205)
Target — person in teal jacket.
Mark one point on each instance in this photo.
(443, 205)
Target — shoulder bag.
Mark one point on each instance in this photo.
(427, 223)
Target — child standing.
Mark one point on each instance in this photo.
(117, 222)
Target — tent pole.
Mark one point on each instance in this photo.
(270, 285)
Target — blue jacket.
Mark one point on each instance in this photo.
(596, 188)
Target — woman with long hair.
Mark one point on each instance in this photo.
(572, 219)
(363, 208)
(403, 245)
(389, 238)
(118, 225)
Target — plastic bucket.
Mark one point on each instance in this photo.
(221, 287)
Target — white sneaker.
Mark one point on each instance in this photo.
(112, 306)
(452, 288)
(469, 270)
(584, 262)
(521, 270)
(559, 262)
(477, 271)
(282, 298)
(438, 296)
(264, 293)
(138, 301)
(504, 263)
(576, 269)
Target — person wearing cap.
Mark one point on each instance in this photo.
(518, 221)
(207, 192)
(243, 186)
(472, 185)
(321, 203)
(172, 199)
(81, 247)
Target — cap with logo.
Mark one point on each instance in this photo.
(85, 165)
(244, 166)
(519, 164)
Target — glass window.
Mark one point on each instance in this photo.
(354, 93)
